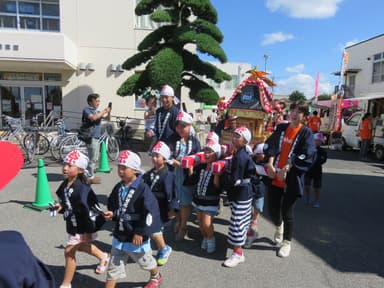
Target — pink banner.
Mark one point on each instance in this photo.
(317, 86)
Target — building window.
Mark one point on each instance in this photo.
(233, 83)
(213, 84)
(52, 77)
(53, 101)
(351, 86)
(43, 15)
(378, 68)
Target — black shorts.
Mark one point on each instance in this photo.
(316, 179)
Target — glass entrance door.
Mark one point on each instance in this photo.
(33, 103)
(22, 102)
(10, 101)
(10, 104)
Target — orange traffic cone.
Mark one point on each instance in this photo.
(43, 193)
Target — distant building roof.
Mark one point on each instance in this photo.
(361, 42)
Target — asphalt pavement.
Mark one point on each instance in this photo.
(337, 245)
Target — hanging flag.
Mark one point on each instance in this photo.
(317, 86)
(344, 63)
(339, 113)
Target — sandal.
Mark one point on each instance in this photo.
(103, 264)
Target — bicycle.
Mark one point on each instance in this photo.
(35, 137)
(58, 139)
(14, 134)
(111, 143)
(124, 133)
(74, 143)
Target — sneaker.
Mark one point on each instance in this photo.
(65, 286)
(278, 237)
(204, 244)
(154, 282)
(234, 260)
(252, 235)
(163, 255)
(211, 245)
(285, 249)
(316, 204)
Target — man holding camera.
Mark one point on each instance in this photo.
(92, 116)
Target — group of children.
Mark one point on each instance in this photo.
(143, 203)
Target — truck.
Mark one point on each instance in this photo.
(350, 134)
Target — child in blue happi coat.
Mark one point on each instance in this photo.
(135, 211)
(162, 183)
(182, 145)
(82, 214)
(240, 189)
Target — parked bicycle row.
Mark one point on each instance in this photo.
(38, 140)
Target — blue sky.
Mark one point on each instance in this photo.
(301, 37)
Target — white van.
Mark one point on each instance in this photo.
(350, 138)
(350, 131)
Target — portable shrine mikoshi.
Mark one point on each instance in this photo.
(252, 102)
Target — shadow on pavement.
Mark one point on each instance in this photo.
(79, 280)
(352, 155)
(191, 244)
(346, 231)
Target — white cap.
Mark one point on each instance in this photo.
(212, 136)
(244, 132)
(248, 149)
(130, 159)
(215, 147)
(259, 149)
(162, 149)
(184, 117)
(77, 159)
(167, 90)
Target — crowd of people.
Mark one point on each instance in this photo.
(188, 176)
(143, 203)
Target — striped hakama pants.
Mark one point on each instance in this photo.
(241, 212)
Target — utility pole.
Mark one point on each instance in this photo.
(265, 56)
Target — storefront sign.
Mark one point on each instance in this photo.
(15, 76)
(36, 98)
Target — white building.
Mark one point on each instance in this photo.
(53, 53)
(364, 74)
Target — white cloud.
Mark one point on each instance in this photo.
(295, 69)
(348, 43)
(272, 38)
(303, 83)
(305, 8)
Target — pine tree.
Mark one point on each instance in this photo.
(297, 96)
(182, 22)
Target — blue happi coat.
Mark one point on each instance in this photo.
(302, 155)
(141, 216)
(162, 184)
(80, 207)
(240, 176)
